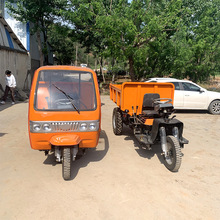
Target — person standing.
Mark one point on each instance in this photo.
(10, 86)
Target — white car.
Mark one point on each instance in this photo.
(189, 95)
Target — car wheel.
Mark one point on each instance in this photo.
(214, 107)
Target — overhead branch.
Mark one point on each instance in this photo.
(146, 41)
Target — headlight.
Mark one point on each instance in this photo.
(92, 126)
(36, 127)
(83, 127)
(46, 127)
(63, 126)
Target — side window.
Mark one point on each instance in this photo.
(177, 85)
(190, 87)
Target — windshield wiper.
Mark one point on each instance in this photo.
(69, 97)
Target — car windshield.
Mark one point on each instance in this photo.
(65, 90)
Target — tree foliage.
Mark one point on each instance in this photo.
(157, 38)
(198, 45)
(62, 43)
(178, 38)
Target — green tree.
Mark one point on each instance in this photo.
(41, 14)
(178, 38)
(200, 50)
(125, 28)
(174, 38)
(62, 43)
(193, 50)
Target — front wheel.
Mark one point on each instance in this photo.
(66, 166)
(173, 161)
(117, 123)
(214, 107)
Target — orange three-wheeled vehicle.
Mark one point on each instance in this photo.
(146, 108)
(64, 112)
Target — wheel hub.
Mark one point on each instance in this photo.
(216, 107)
(169, 157)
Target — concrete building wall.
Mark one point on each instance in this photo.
(22, 31)
(29, 41)
(35, 55)
(17, 63)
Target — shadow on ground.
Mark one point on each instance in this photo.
(2, 134)
(91, 155)
(141, 148)
(8, 104)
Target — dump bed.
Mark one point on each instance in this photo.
(132, 93)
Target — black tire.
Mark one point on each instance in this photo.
(173, 161)
(214, 107)
(66, 166)
(117, 123)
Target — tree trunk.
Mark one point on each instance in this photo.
(131, 68)
(101, 70)
(113, 73)
(46, 52)
(95, 64)
(76, 55)
(40, 48)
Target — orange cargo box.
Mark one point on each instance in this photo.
(132, 93)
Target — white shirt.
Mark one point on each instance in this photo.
(10, 81)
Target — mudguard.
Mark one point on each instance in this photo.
(65, 140)
(168, 125)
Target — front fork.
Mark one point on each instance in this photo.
(58, 152)
(163, 139)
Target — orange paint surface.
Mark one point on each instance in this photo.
(65, 140)
(149, 121)
(132, 94)
(39, 110)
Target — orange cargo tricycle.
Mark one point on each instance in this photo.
(64, 112)
(146, 108)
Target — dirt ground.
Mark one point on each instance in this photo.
(117, 180)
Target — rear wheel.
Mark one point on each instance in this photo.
(66, 166)
(173, 161)
(117, 121)
(214, 107)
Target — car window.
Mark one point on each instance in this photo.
(190, 87)
(177, 85)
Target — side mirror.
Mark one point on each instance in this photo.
(201, 90)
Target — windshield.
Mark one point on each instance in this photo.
(64, 90)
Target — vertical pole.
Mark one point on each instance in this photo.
(76, 54)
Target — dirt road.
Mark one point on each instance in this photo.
(118, 180)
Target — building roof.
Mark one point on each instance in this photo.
(8, 39)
